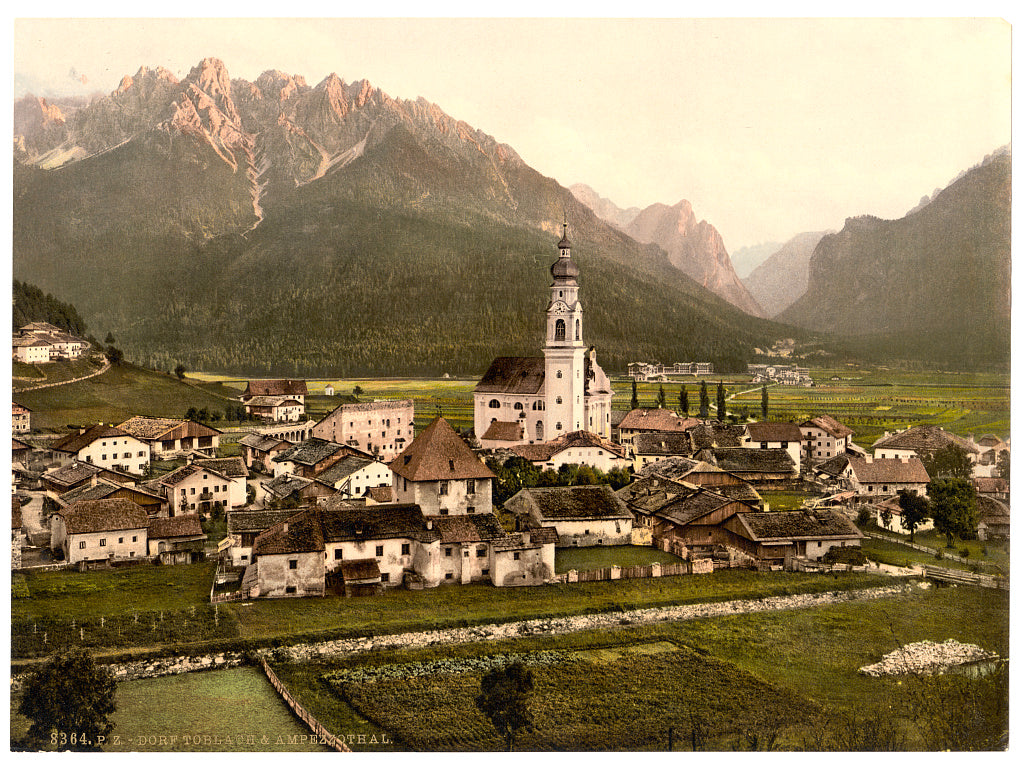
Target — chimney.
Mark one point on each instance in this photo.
(430, 524)
(868, 459)
(285, 527)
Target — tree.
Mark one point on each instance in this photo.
(1003, 465)
(764, 402)
(110, 339)
(684, 400)
(914, 511)
(503, 698)
(114, 356)
(661, 396)
(179, 371)
(357, 391)
(634, 401)
(705, 402)
(720, 401)
(68, 700)
(954, 508)
(948, 462)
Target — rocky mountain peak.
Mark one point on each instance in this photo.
(146, 80)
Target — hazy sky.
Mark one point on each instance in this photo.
(769, 127)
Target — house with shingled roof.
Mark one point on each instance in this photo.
(64, 478)
(176, 540)
(764, 469)
(694, 520)
(292, 490)
(105, 446)
(293, 388)
(21, 418)
(889, 516)
(924, 439)
(650, 420)
(651, 447)
(154, 503)
(107, 529)
(172, 438)
(353, 475)
(993, 519)
(775, 435)
(244, 526)
(258, 450)
(204, 485)
(311, 457)
(439, 472)
(776, 537)
(275, 408)
(590, 515)
(884, 477)
(824, 438)
(582, 448)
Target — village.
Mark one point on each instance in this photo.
(358, 502)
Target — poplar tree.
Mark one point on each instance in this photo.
(720, 401)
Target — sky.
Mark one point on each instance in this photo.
(769, 127)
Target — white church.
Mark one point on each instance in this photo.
(532, 400)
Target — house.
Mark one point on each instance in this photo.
(824, 438)
(883, 477)
(21, 419)
(687, 471)
(377, 495)
(292, 489)
(764, 469)
(921, 440)
(993, 519)
(173, 438)
(654, 420)
(59, 481)
(244, 526)
(20, 451)
(31, 349)
(993, 487)
(439, 473)
(651, 447)
(775, 435)
(100, 488)
(291, 388)
(258, 450)
(383, 427)
(310, 457)
(590, 515)
(502, 434)
(563, 391)
(582, 448)
(694, 520)
(61, 343)
(990, 449)
(108, 529)
(475, 547)
(103, 445)
(205, 485)
(354, 475)
(705, 436)
(176, 540)
(889, 516)
(775, 537)
(275, 407)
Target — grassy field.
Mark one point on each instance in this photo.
(886, 552)
(30, 374)
(231, 710)
(623, 689)
(599, 557)
(120, 393)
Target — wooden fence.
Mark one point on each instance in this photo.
(964, 578)
(323, 736)
(623, 573)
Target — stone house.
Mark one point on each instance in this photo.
(31, 349)
(275, 407)
(244, 526)
(293, 388)
(775, 537)
(172, 438)
(440, 474)
(590, 515)
(650, 420)
(383, 427)
(258, 450)
(109, 529)
(205, 485)
(106, 446)
(884, 477)
(21, 419)
(824, 438)
(775, 435)
(921, 440)
(176, 540)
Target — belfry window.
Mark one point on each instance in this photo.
(578, 333)
(494, 404)
(559, 330)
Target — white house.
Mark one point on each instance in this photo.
(580, 448)
(113, 528)
(105, 446)
(591, 515)
(775, 435)
(204, 485)
(382, 427)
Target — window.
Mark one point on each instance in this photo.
(515, 556)
(519, 406)
(127, 455)
(293, 564)
(442, 487)
(192, 491)
(558, 374)
(103, 457)
(471, 509)
(142, 453)
(405, 549)
(289, 589)
(485, 571)
(81, 544)
(447, 552)
(558, 425)
(337, 553)
(558, 400)
(443, 512)
(494, 404)
(135, 538)
(481, 552)
(559, 330)
(103, 541)
(385, 577)
(379, 551)
(120, 540)
(448, 576)
(470, 487)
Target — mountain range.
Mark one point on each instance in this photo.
(273, 227)
(781, 278)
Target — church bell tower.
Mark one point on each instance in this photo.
(564, 350)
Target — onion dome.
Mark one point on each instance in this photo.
(565, 268)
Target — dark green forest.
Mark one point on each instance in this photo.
(30, 304)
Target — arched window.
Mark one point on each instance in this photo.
(558, 400)
(540, 430)
(518, 406)
(494, 404)
(559, 330)
(538, 405)
(558, 425)
(558, 375)
(578, 332)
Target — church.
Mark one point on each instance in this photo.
(536, 399)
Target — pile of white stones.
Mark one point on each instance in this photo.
(927, 658)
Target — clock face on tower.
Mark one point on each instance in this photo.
(559, 307)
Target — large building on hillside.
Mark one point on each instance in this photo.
(529, 400)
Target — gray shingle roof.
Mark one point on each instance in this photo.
(887, 470)
(104, 515)
(754, 460)
(582, 502)
(438, 453)
(793, 525)
(925, 438)
(516, 376)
